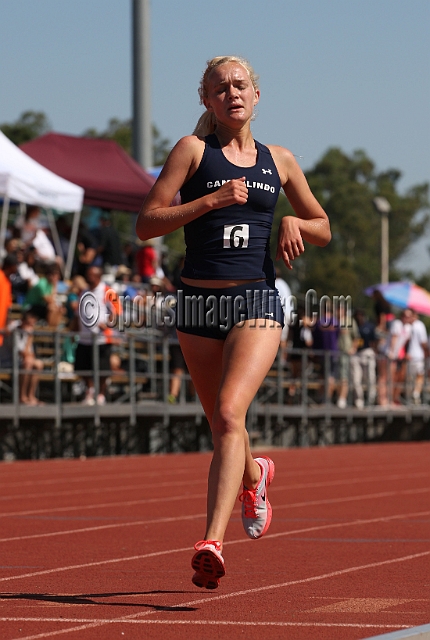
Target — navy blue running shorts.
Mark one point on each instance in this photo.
(212, 313)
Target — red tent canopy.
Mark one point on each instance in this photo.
(110, 177)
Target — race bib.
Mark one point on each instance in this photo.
(236, 236)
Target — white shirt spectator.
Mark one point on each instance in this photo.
(44, 246)
(417, 339)
(28, 273)
(400, 334)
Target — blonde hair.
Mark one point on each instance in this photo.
(207, 123)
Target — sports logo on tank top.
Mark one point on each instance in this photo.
(236, 236)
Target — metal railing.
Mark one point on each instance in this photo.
(306, 378)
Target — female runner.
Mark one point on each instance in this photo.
(229, 185)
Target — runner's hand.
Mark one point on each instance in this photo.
(290, 242)
(232, 192)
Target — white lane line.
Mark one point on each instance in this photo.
(127, 503)
(166, 472)
(231, 542)
(117, 525)
(244, 623)
(382, 494)
(245, 592)
(143, 486)
(196, 516)
(145, 477)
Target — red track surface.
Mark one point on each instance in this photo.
(101, 548)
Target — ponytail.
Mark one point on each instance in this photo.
(205, 125)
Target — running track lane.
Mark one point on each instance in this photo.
(100, 548)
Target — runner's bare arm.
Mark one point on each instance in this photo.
(310, 222)
(157, 218)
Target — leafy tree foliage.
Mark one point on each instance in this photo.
(30, 124)
(121, 132)
(345, 187)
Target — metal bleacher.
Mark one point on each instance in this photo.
(138, 416)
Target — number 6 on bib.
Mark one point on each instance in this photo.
(236, 236)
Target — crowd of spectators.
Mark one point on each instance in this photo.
(363, 361)
(360, 361)
(31, 282)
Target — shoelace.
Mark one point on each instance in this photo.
(202, 543)
(249, 499)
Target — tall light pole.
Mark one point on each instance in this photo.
(383, 207)
(142, 124)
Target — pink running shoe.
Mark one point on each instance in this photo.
(256, 509)
(208, 564)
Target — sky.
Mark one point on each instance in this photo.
(348, 73)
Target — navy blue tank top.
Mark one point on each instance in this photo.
(232, 242)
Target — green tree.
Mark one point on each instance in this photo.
(30, 124)
(345, 187)
(121, 132)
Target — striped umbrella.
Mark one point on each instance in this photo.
(404, 295)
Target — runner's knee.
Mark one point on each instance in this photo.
(227, 420)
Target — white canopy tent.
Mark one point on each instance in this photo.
(24, 180)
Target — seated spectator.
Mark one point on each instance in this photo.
(21, 331)
(9, 267)
(122, 277)
(77, 288)
(43, 299)
(27, 267)
(20, 285)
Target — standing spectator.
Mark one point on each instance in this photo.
(9, 267)
(86, 251)
(302, 338)
(366, 361)
(44, 247)
(349, 337)
(146, 260)
(109, 242)
(92, 318)
(129, 255)
(28, 224)
(383, 313)
(326, 338)
(417, 351)
(400, 333)
(64, 231)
